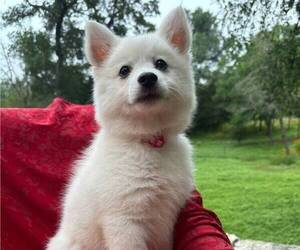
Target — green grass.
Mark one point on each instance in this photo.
(251, 186)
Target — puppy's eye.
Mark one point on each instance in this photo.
(124, 71)
(160, 64)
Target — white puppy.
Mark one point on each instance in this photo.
(131, 183)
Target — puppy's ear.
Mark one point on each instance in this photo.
(176, 29)
(99, 41)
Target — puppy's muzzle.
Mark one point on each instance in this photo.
(149, 89)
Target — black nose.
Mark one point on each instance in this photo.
(147, 80)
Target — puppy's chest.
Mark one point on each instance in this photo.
(146, 178)
(146, 164)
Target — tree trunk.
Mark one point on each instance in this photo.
(289, 122)
(283, 136)
(255, 124)
(298, 128)
(269, 124)
(260, 125)
(62, 10)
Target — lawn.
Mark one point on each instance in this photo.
(254, 191)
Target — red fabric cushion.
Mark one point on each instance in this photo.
(38, 146)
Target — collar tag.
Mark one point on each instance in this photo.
(157, 141)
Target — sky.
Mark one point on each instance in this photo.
(164, 6)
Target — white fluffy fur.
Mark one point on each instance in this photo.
(125, 194)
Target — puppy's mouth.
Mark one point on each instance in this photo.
(148, 97)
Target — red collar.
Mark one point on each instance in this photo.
(156, 141)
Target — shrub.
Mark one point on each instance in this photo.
(296, 146)
(284, 160)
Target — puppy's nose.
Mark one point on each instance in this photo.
(147, 80)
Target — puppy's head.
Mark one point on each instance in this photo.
(143, 84)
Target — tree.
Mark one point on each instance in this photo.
(264, 83)
(267, 66)
(245, 18)
(53, 56)
(242, 20)
(279, 72)
(207, 52)
(207, 43)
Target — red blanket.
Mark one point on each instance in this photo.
(38, 146)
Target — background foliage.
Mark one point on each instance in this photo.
(247, 71)
(246, 66)
(52, 57)
(246, 61)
